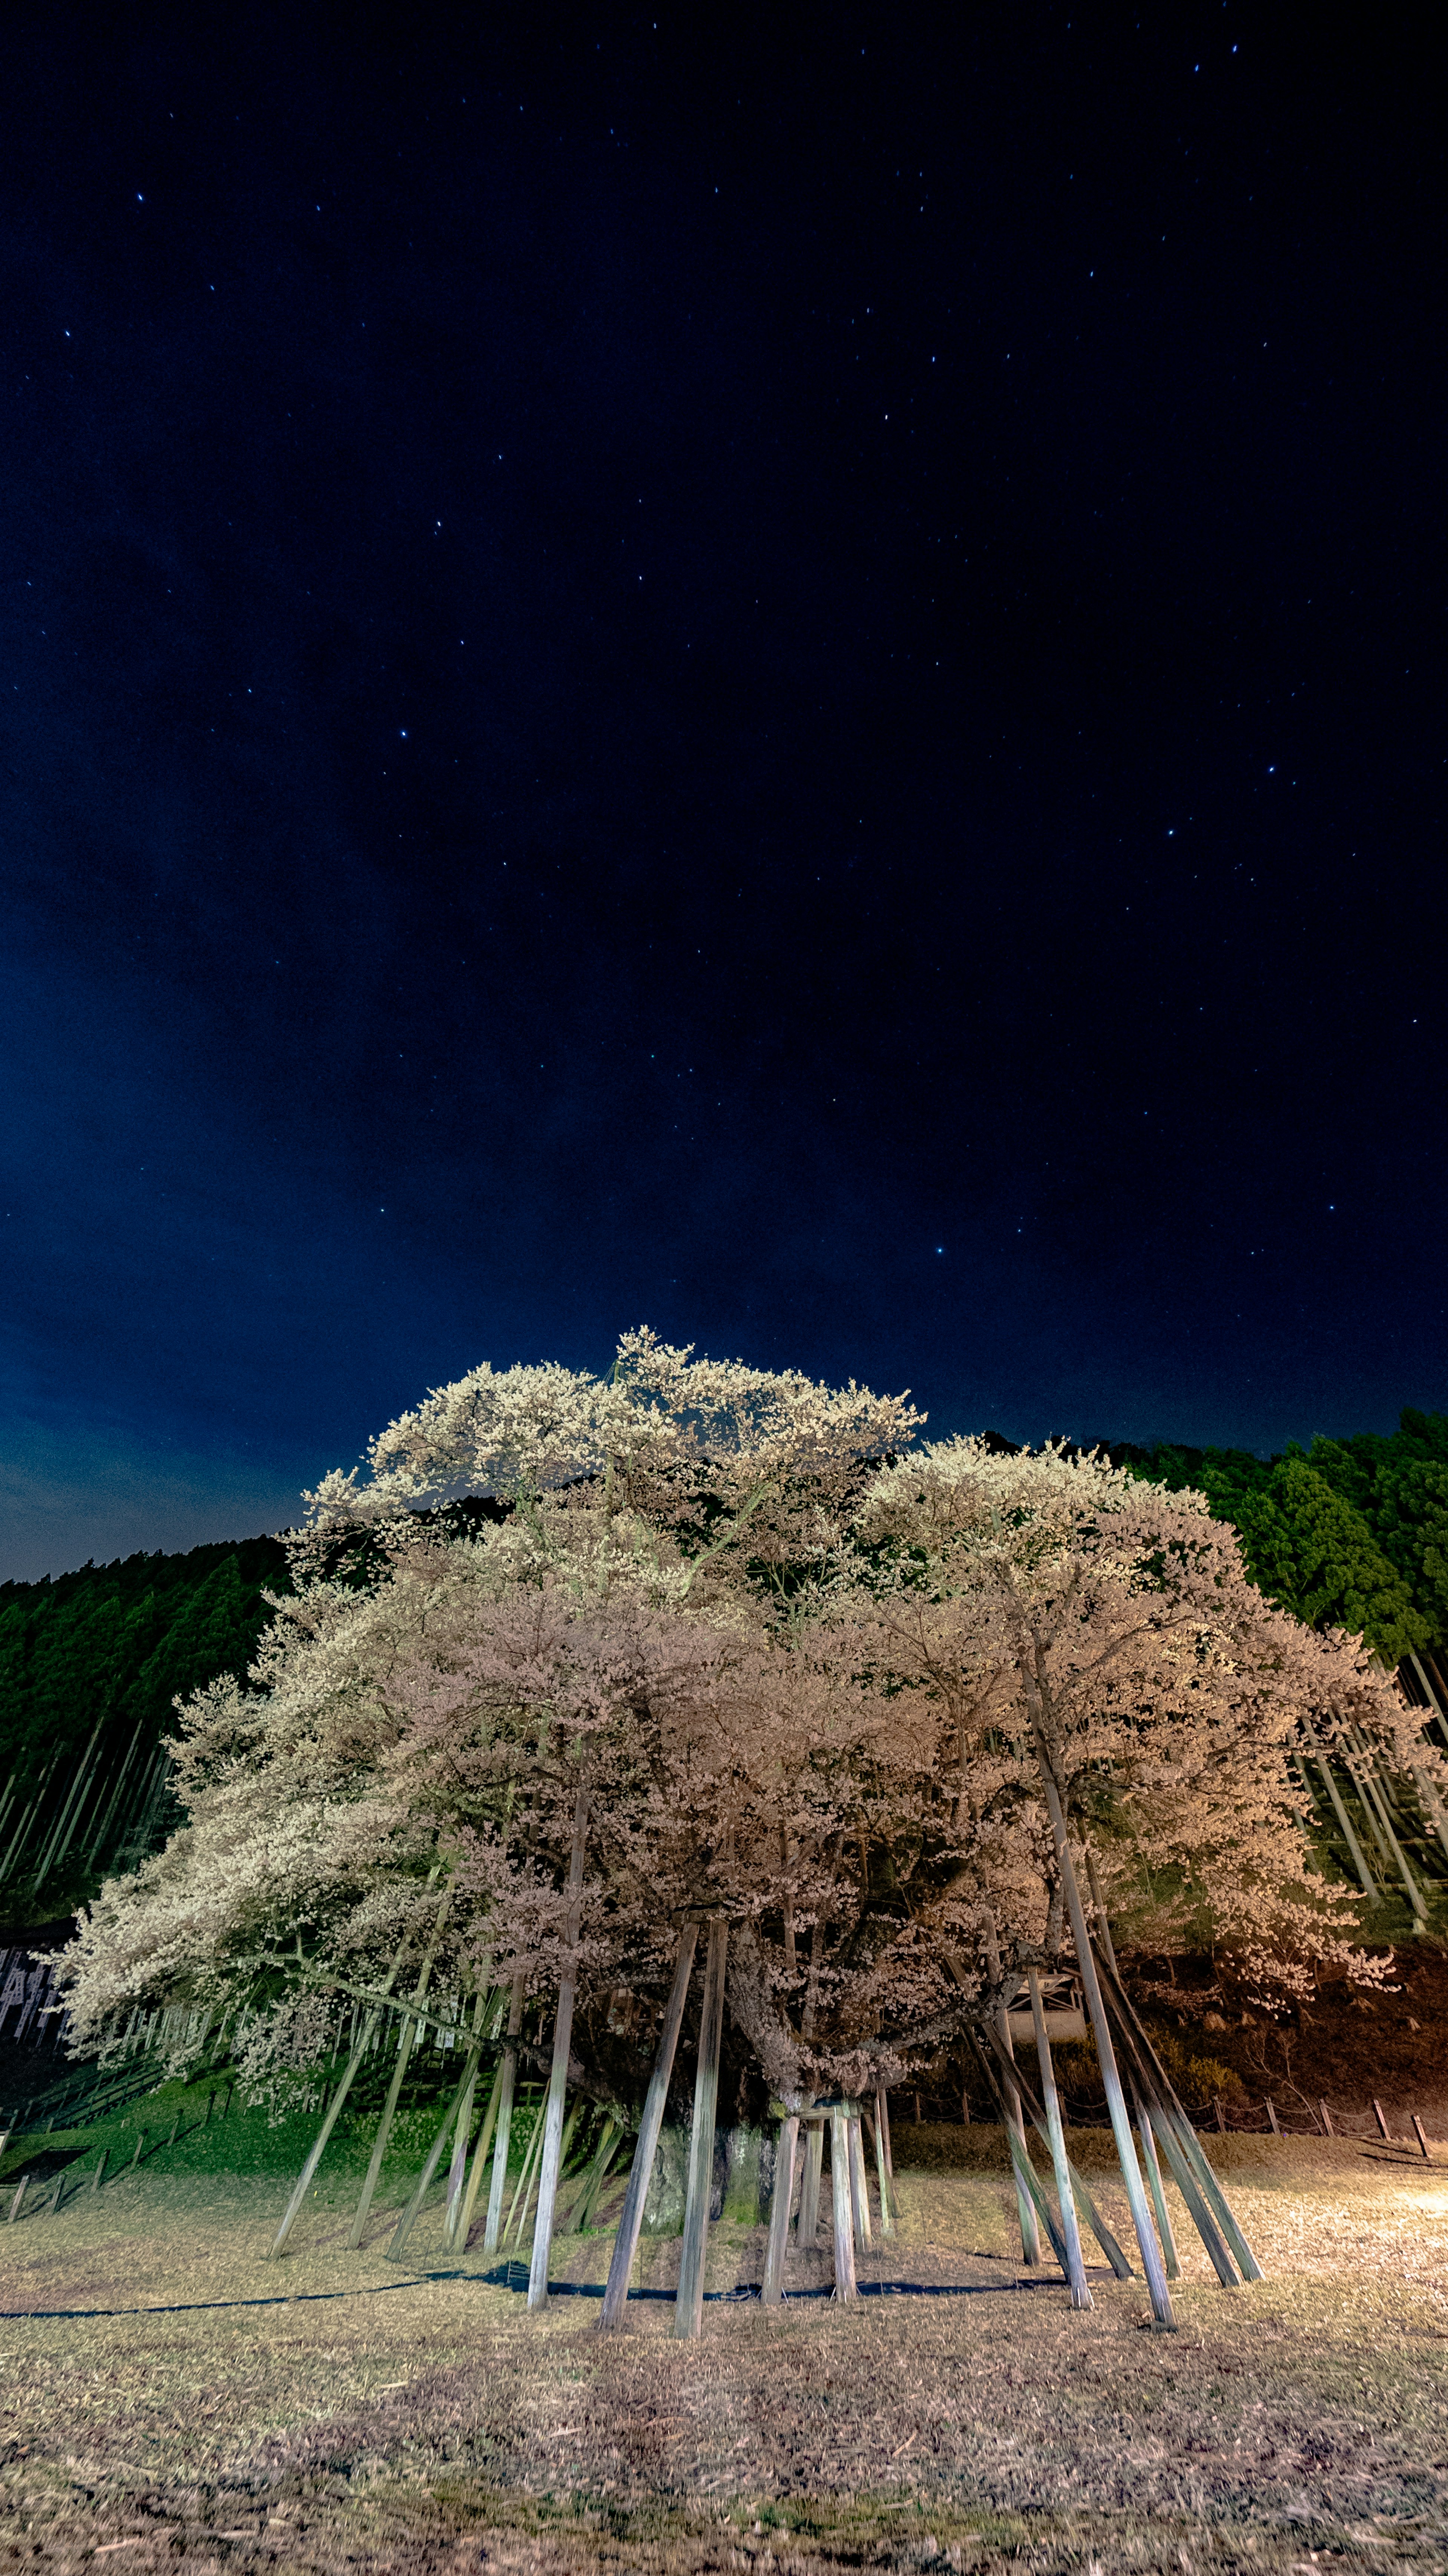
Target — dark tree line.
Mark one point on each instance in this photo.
(1349, 1533)
(90, 1667)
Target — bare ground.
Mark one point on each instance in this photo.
(170, 2400)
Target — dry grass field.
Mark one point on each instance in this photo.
(171, 2400)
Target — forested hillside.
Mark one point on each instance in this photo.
(1349, 1533)
(90, 1666)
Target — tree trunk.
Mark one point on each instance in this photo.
(807, 2228)
(1373, 1800)
(70, 1807)
(293, 2207)
(689, 2306)
(784, 2162)
(593, 2180)
(625, 2243)
(558, 2078)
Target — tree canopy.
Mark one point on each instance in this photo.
(775, 1665)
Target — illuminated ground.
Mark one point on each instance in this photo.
(372, 2415)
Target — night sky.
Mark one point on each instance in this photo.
(773, 673)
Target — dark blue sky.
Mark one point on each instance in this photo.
(785, 682)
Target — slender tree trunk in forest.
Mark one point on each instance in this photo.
(68, 1808)
(602, 2158)
(1366, 1880)
(98, 1839)
(689, 2306)
(625, 2244)
(1372, 1800)
(558, 2079)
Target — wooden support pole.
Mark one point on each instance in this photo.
(1086, 2206)
(98, 2176)
(15, 2205)
(389, 2107)
(882, 2165)
(522, 2199)
(464, 2087)
(625, 2243)
(689, 2306)
(1422, 2141)
(872, 2151)
(314, 2158)
(458, 2167)
(1151, 2255)
(1326, 2116)
(1030, 2233)
(1154, 2184)
(1186, 2183)
(784, 2162)
(1272, 2117)
(558, 2077)
(508, 2073)
(808, 2223)
(859, 2189)
(608, 2138)
(1027, 2181)
(1071, 2233)
(844, 2233)
(1157, 2082)
(565, 2142)
(479, 2164)
(1381, 2118)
